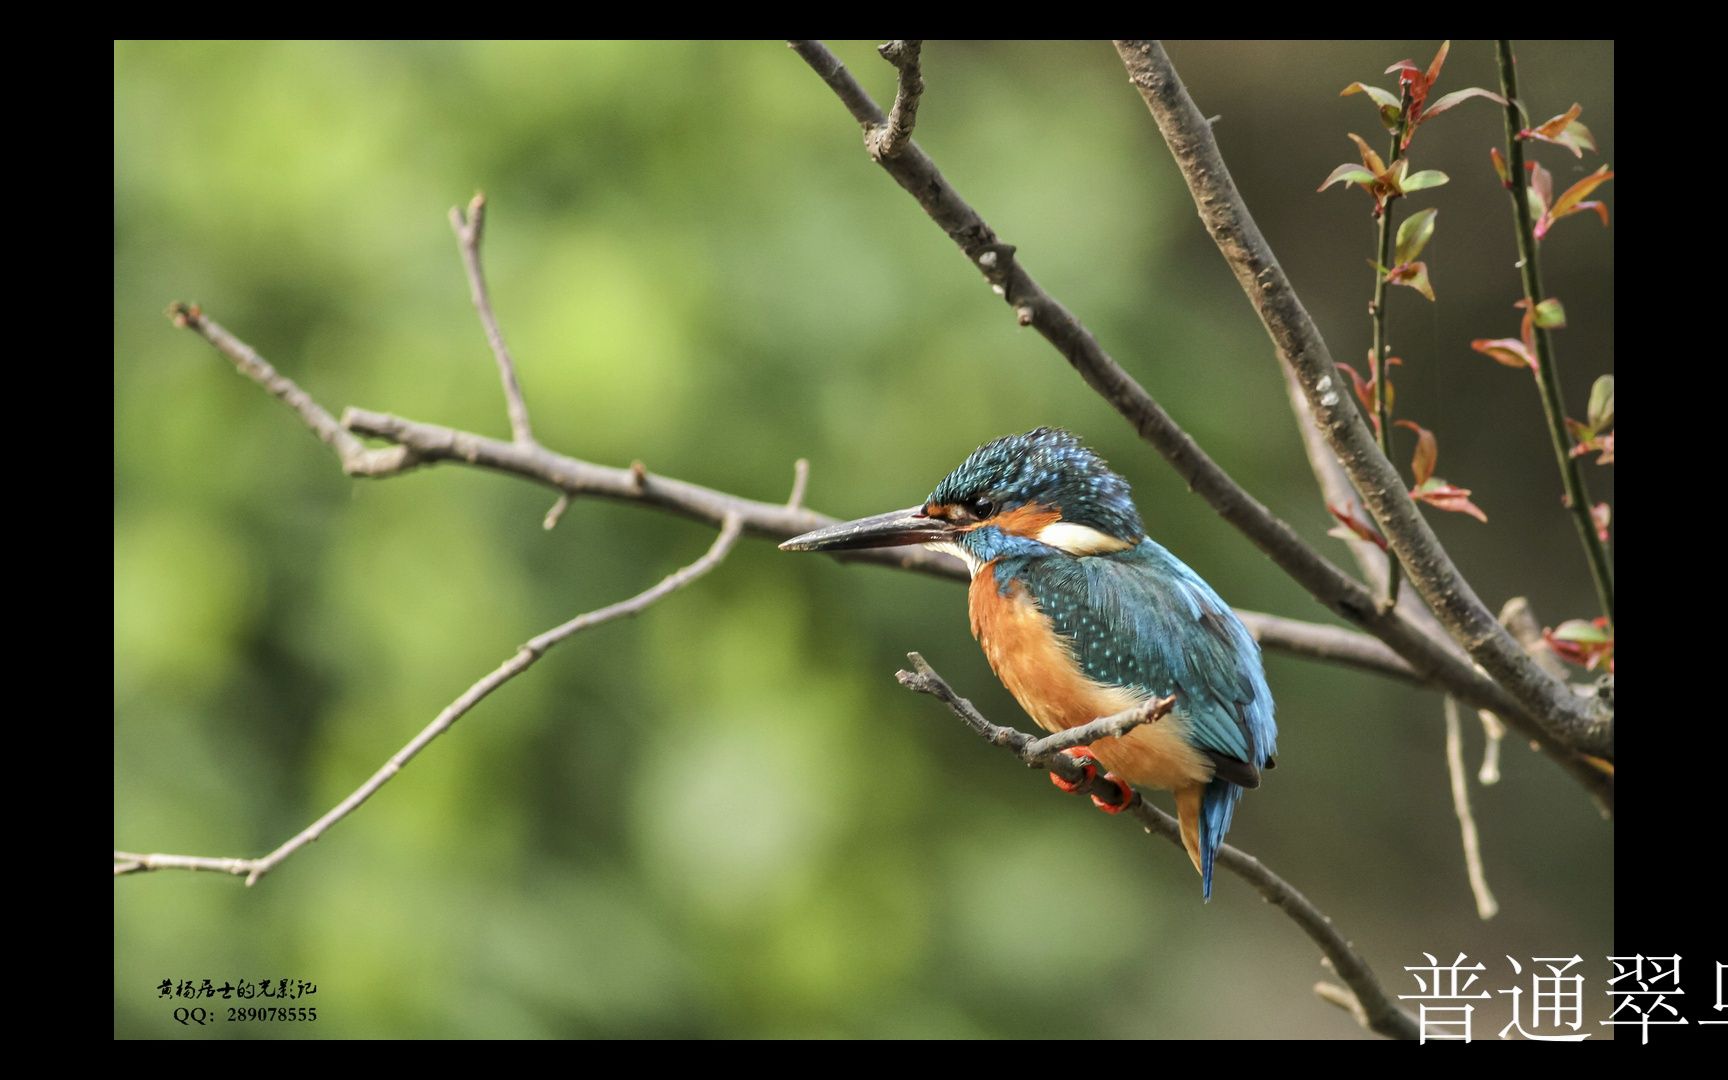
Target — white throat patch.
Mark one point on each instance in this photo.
(949, 547)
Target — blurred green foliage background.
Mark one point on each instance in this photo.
(724, 818)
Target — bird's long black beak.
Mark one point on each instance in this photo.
(901, 527)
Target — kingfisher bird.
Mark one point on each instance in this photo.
(1082, 615)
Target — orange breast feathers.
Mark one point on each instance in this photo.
(1038, 667)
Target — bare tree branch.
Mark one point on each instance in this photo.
(126, 862)
(468, 233)
(913, 170)
(425, 444)
(1520, 621)
(1400, 649)
(1493, 736)
(1113, 726)
(800, 481)
(1335, 489)
(556, 514)
(432, 443)
(356, 459)
(1515, 615)
(1486, 906)
(574, 477)
(1351, 648)
(1366, 999)
(1333, 994)
(1549, 710)
(888, 140)
(1048, 752)
(1372, 562)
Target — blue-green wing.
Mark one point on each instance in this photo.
(1144, 619)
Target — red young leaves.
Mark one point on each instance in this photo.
(1588, 644)
(1352, 523)
(1380, 180)
(1596, 433)
(1430, 488)
(1520, 352)
(1413, 236)
(1564, 130)
(1410, 107)
(1365, 387)
(1575, 200)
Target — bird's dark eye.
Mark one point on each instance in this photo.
(981, 508)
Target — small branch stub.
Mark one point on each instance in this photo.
(524, 658)
(887, 139)
(800, 481)
(469, 230)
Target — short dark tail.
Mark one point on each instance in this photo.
(1217, 806)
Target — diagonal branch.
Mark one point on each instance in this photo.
(913, 170)
(1335, 490)
(468, 232)
(1515, 615)
(1366, 998)
(1351, 648)
(1048, 752)
(420, 444)
(1549, 710)
(356, 459)
(126, 862)
(1040, 751)
(431, 443)
(434, 443)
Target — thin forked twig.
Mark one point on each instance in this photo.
(800, 481)
(469, 231)
(1366, 999)
(126, 862)
(1486, 906)
(356, 458)
(1045, 753)
(894, 133)
(1040, 751)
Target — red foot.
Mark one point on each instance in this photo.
(1089, 764)
(1083, 758)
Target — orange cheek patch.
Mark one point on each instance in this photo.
(1028, 520)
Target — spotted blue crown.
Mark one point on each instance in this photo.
(1050, 467)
